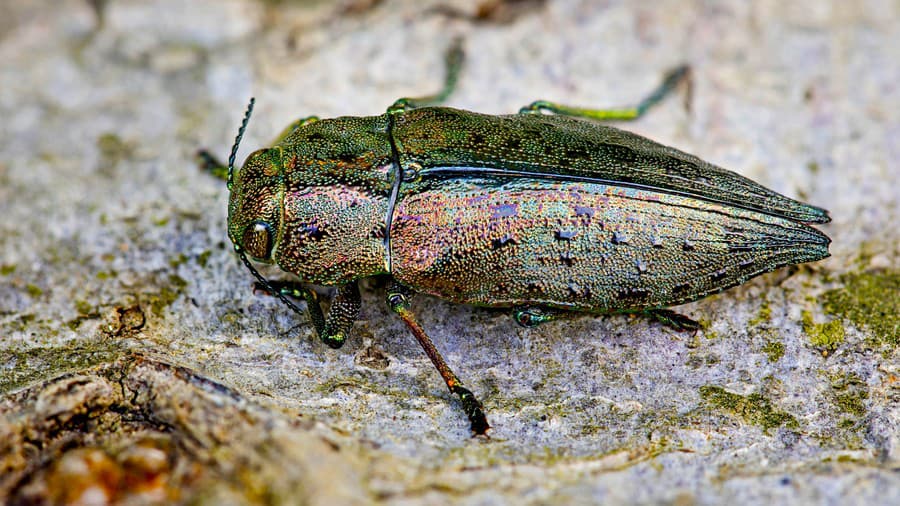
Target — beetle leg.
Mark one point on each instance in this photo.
(334, 328)
(398, 301)
(670, 82)
(211, 164)
(532, 316)
(453, 60)
(672, 319)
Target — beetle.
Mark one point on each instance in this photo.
(551, 215)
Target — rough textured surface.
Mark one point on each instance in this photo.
(114, 264)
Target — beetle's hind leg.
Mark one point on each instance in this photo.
(398, 301)
(334, 328)
(671, 81)
(672, 319)
(453, 61)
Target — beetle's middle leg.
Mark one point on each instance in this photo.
(671, 81)
(532, 316)
(453, 61)
(333, 328)
(398, 301)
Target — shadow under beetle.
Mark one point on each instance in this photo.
(543, 213)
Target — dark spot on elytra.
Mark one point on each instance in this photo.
(576, 153)
(378, 232)
(534, 287)
(315, 136)
(347, 157)
(619, 238)
(504, 210)
(499, 242)
(567, 259)
(564, 235)
(681, 289)
(633, 295)
(579, 291)
(514, 143)
(314, 232)
(719, 274)
(476, 138)
(688, 245)
(584, 211)
(617, 153)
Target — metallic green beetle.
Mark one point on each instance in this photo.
(545, 214)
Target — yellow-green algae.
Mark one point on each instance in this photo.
(870, 300)
(34, 290)
(753, 408)
(764, 315)
(825, 336)
(774, 350)
(850, 395)
(22, 367)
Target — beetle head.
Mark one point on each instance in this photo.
(254, 208)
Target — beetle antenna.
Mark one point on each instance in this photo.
(266, 284)
(237, 142)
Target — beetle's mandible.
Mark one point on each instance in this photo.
(547, 214)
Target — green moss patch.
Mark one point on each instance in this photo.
(871, 300)
(824, 336)
(22, 367)
(764, 315)
(774, 350)
(754, 408)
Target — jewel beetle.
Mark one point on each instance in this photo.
(545, 212)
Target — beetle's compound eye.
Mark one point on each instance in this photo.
(257, 240)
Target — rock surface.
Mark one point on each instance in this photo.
(137, 363)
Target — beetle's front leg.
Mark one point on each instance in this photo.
(398, 300)
(209, 163)
(334, 328)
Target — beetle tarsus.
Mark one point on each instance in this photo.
(473, 409)
(672, 319)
